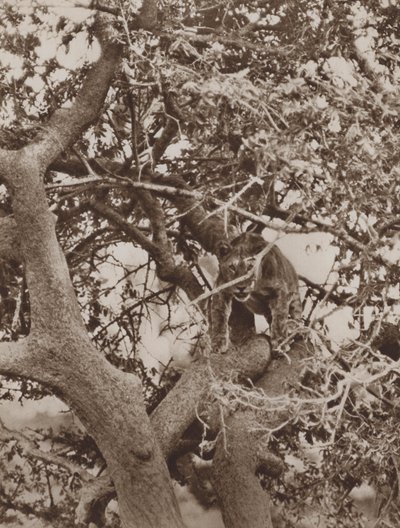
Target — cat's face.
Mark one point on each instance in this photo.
(237, 260)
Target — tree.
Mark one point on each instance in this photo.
(196, 121)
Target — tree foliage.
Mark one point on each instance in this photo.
(220, 117)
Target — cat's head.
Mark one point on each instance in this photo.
(237, 260)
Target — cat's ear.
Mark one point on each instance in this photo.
(223, 248)
(256, 242)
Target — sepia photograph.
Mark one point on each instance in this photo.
(200, 264)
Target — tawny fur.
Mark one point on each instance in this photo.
(271, 288)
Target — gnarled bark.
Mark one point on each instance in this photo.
(242, 450)
(243, 502)
(58, 352)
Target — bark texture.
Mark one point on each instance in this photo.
(242, 449)
(243, 502)
(178, 409)
(58, 352)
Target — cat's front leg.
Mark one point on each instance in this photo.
(220, 310)
(279, 308)
(295, 307)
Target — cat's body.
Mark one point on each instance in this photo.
(269, 287)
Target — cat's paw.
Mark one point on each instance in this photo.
(220, 347)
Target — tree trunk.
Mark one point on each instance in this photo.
(58, 352)
(242, 449)
(243, 502)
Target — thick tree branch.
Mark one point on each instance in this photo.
(95, 495)
(118, 220)
(178, 409)
(242, 449)
(244, 504)
(173, 116)
(161, 143)
(178, 274)
(155, 214)
(208, 230)
(67, 124)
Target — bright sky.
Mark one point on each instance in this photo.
(59, 7)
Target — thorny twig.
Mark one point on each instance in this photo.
(231, 395)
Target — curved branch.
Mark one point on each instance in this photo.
(95, 495)
(184, 400)
(66, 124)
(242, 450)
(178, 274)
(208, 230)
(244, 504)
(132, 231)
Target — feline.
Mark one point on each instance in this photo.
(269, 287)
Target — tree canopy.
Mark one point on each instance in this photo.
(135, 137)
